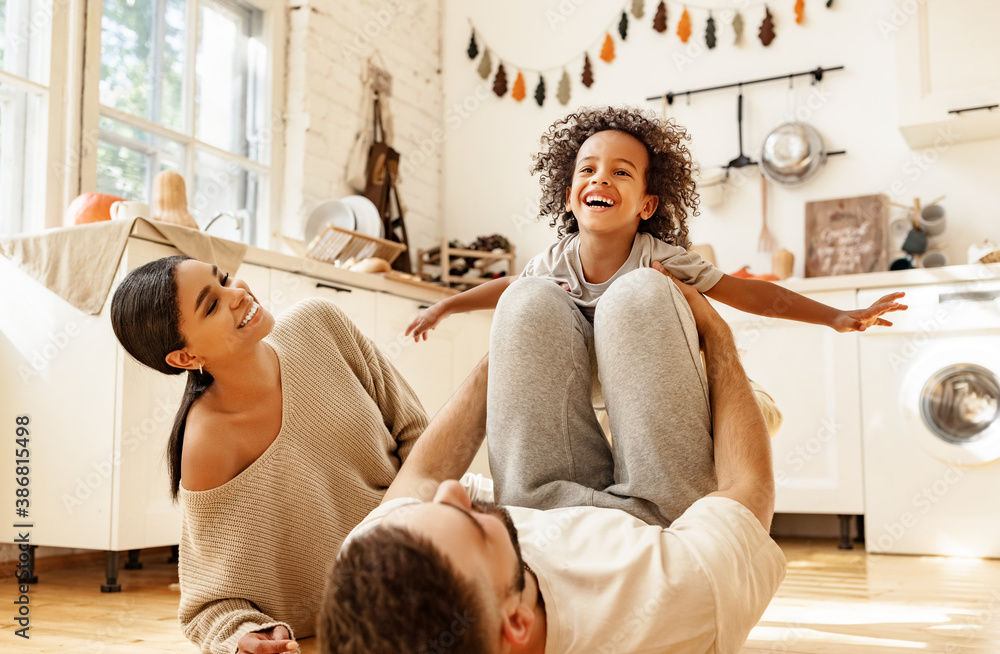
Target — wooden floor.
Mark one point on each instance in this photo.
(830, 602)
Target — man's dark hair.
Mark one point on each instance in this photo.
(393, 592)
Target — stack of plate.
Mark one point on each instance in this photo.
(355, 212)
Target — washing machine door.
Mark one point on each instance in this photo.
(958, 406)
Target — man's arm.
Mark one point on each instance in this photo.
(446, 448)
(742, 444)
(767, 299)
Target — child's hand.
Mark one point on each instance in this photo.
(862, 319)
(425, 321)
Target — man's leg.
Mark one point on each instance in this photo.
(546, 447)
(657, 398)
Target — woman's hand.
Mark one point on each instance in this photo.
(425, 321)
(862, 319)
(270, 641)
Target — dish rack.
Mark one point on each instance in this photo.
(335, 244)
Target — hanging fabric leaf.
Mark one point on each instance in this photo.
(623, 26)
(800, 11)
(608, 49)
(588, 71)
(540, 91)
(737, 28)
(767, 28)
(684, 26)
(485, 64)
(660, 19)
(500, 82)
(518, 91)
(473, 48)
(710, 32)
(563, 94)
(638, 8)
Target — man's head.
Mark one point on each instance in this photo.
(432, 577)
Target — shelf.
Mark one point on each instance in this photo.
(433, 257)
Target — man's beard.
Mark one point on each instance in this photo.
(489, 508)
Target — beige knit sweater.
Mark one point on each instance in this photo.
(254, 552)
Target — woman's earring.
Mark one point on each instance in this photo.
(200, 371)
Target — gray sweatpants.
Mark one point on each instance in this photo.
(546, 447)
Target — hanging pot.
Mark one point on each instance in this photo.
(792, 153)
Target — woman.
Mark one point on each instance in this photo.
(287, 436)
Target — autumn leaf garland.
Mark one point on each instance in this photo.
(660, 23)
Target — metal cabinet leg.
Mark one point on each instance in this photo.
(845, 533)
(133, 562)
(31, 577)
(111, 571)
(174, 554)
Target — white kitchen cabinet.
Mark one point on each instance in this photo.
(429, 366)
(472, 343)
(812, 374)
(946, 60)
(288, 289)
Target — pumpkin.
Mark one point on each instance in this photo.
(90, 208)
(170, 200)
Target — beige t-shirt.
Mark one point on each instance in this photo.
(614, 585)
(561, 263)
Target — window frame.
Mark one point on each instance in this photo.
(50, 175)
(273, 33)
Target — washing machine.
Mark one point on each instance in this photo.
(930, 389)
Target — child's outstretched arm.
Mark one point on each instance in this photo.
(767, 299)
(484, 296)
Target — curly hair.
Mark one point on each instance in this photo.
(668, 175)
(392, 591)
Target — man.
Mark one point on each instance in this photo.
(435, 569)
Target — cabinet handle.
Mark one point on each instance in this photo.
(970, 296)
(989, 107)
(339, 289)
(423, 306)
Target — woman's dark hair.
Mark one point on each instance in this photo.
(668, 175)
(146, 319)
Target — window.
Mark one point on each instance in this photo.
(186, 85)
(25, 71)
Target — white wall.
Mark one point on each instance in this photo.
(328, 43)
(487, 187)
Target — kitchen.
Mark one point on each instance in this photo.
(465, 153)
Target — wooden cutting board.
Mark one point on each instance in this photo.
(846, 236)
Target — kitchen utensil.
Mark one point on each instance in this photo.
(766, 242)
(904, 262)
(915, 242)
(368, 221)
(932, 219)
(792, 153)
(330, 212)
(742, 159)
(934, 259)
(898, 229)
(126, 210)
(782, 264)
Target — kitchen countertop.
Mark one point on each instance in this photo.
(890, 279)
(314, 268)
(895, 278)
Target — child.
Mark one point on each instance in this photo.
(616, 183)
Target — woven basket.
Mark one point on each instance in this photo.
(334, 244)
